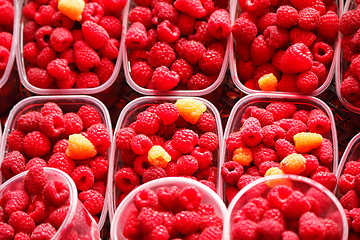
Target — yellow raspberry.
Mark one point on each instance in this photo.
(190, 109)
(307, 141)
(293, 164)
(157, 156)
(274, 171)
(268, 82)
(242, 156)
(80, 147)
(72, 8)
(274, 182)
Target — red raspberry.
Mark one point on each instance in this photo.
(167, 32)
(161, 54)
(89, 116)
(145, 198)
(60, 20)
(297, 58)
(352, 168)
(231, 172)
(203, 156)
(167, 112)
(163, 79)
(251, 132)
(260, 51)
(349, 22)
(329, 25)
(148, 220)
(331, 229)
(200, 81)
(287, 83)
(52, 125)
(187, 222)
(264, 69)
(85, 56)
(31, 52)
(327, 179)
(105, 70)
(136, 36)
(244, 31)
(244, 229)
(126, 179)
(36, 144)
(12, 164)
(355, 64)
(99, 166)
(245, 180)
(323, 53)
(42, 36)
(93, 201)
(35, 180)
(99, 187)
(312, 163)
(159, 232)
(124, 137)
(16, 140)
(189, 198)
(264, 117)
(302, 115)
(211, 233)
(185, 140)
(35, 161)
(187, 165)
(6, 231)
(270, 229)
(185, 24)
(164, 11)
(355, 215)
(276, 37)
(46, 55)
(21, 222)
(43, 231)
(39, 78)
(168, 197)
(83, 178)
(310, 226)
(245, 70)
(112, 25)
(219, 24)
(115, 6)
(37, 211)
(318, 122)
(201, 33)
(29, 10)
(87, 80)
(59, 69)
(265, 165)
(286, 16)
(29, 121)
(43, 15)
(209, 140)
(309, 18)
(142, 15)
(284, 148)
(73, 124)
(147, 123)
(193, 8)
(131, 226)
(99, 136)
(60, 39)
(192, 51)
(289, 235)
(56, 193)
(63, 162)
(13, 201)
(211, 62)
(234, 141)
(298, 35)
(346, 183)
(256, 8)
(274, 214)
(262, 154)
(29, 31)
(93, 11)
(269, 19)
(57, 217)
(141, 144)
(110, 50)
(281, 110)
(183, 69)
(278, 196)
(271, 134)
(307, 82)
(51, 108)
(141, 73)
(206, 122)
(295, 205)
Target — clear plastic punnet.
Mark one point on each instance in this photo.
(127, 205)
(55, 91)
(235, 10)
(127, 68)
(342, 65)
(262, 100)
(77, 221)
(14, 44)
(330, 207)
(68, 103)
(128, 116)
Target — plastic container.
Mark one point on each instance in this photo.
(122, 212)
(128, 115)
(262, 100)
(127, 69)
(341, 64)
(67, 104)
(77, 220)
(332, 209)
(14, 44)
(234, 12)
(55, 91)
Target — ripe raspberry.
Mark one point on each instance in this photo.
(105, 70)
(260, 51)
(56, 193)
(93, 11)
(141, 144)
(167, 32)
(142, 15)
(346, 183)
(276, 37)
(145, 198)
(352, 168)
(163, 79)
(265, 166)
(148, 220)
(200, 81)
(43, 15)
(201, 34)
(80, 147)
(203, 156)
(209, 140)
(281, 110)
(46, 55)
(295, 205)
(327, 179)
(60, 39)
(185, 140)
(21, 222)
(349, 89)
(36, 144)
(29, 121)
(161, 54)
(72, 124)
(12, 164)
(57, 217)
(43, 231)
(311, 226)
(262, 154)
(126, 179)
(211, 62)
(83, 178)
(60, 20)
(324, 152)
(268, 82)
(298, 35)
(92, 200)
(309, 18)
(87, 80)
(51, 108)
(37, 211)
(39, 78)
(244, 31)
(191, 50)
(89, 116)
(323, 53)
(123, 138)
(99, 136)
(99, 166)
(349, 22)
(307, 82)
(329, 25)
(59, 69)
(286, 16)
(168, 197)
(187, 165)
(251, 132)
(350, 200)
(293, 164)
(318, 122)
(211, 233)
(245, 180)
(52, 125)
(278, 195)
(147, 123)
(312, 163)
(193, 8)
(42, 36)
(297, 58)
(141, 73)
(219, 24)
(35, 180)
(31, 51)
(234, 141)
(29, 31)
(183, 69)
(189, 198)
(16, 140)
(164, 11)
(187, 222)
(271, 134)
(270, 229)
(244, 229)
(63, 162)
(231, 172)
(153, 173)
(85, 56)
(6, 231)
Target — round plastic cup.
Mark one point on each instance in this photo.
(55, 91)
(69, 103)
(235, 10)
(127, 68)
(342, 65)
(77, 220)
(128, 115)
(262, 100)
(127, 205)
(14, 43)
(332, 209)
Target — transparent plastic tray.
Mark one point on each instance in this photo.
(67, 104)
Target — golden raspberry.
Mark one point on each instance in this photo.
(293, 164)
(268, 82)
(190, 109)
(242, 156)
(274, 182)
(307, 141)
(72, 8)
(274, 171)
(157, 156)
(80, 147)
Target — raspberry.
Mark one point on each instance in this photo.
(163, 79)
(29, 31)
(43, 15)
(306, 141)
(35, 180)
(192, 51)
(274, 214)
(284, 148)
(161, 54)
(72, 9)
(276, 37)
(92, 12)
(260, 51)
(187, 165)
(234, 141)
(271, 132)
(35, 161)
(89, 115)
(56, 193)
(331, 229)
(36, 144)
(99, 167)
(87, 80)
(244, 229)
(257, 8)
(167, 32)
(311, 165)
(244, 31)
(295, 205)
(131, 225)
(57, 217)
(346, 183)
(159, 232)
(200, 81)
(324, 152)
(29, 10)
(265, 166)
(327, 179)
(323, 53)
(6, 231)
(93, 201)
(39, 78)
(141, 144)
(231, 172)
(311, 227)
(281, 110)
(298, 35)
(203, 156)
(202, 33)
(183, 69)
(278, 195)
(21, 222)
(251, 132)
(142, 15)
(349, 89)
(42, 36)
(318, 122)
(190, 109)
(21, 236)
(309, 18)
(148, 220)
(145, 198)
(123, 138)
(206, 122)
(185, 140)
(164, 11)
(219, 25)
(286, 16)
(293, 164)
(211, 62)
(29, 121)
(168, 197)
(187, 222)
(80, 147)
(60, 20)
(209, 140)
(110, 50)
(73, 124)
(51, 108)
(85, 56)
(242, 156)
(60, 39)
(352, 168)
(268, 82)
(31, 52)
(147, 123)
(99, 137)
(270, 229)
(16, 139)
(193, 8)
(83, 178)
(13, 164)
(105, 70)
(211, 233)
(141, 73)
(37, 211)
(189, 198)
(262, 154)
(46, 55)
(44, 230)
(297, 58)
(52, 125)
(245, 180)
(126, 179)
(349, 22)
(329, 25)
